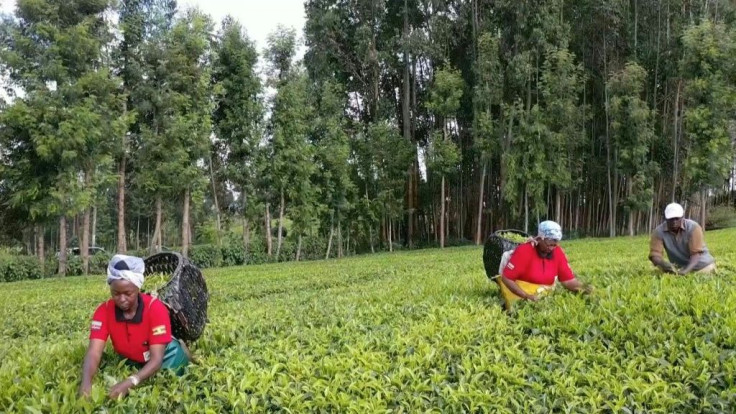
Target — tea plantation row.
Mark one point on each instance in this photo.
(407, 332)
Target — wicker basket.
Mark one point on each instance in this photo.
(494, 248)
(185, 294)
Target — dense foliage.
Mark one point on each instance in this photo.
(137, 125)
(404, 332)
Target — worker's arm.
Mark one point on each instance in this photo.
(148, 370)
(516, 290)
(656, 251)
(567, 277)
(575, 285)
(91, 364)
(696, 245)
(694, 259)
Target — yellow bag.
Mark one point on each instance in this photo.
(530, 288)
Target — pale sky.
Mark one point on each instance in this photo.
(258, 17)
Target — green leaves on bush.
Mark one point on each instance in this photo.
(514, 237)
(408, 332)
(14, 268)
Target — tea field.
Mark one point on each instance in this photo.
(406, 332)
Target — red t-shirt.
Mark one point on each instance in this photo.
(132, 338)
(526, 264)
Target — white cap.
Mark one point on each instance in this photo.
(673, 210)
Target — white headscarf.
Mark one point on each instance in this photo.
(550, 230)
(128, 268)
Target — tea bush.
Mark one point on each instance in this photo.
(405, 332)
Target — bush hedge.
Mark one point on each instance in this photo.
(721, 217)
(19, 267)
(14, 267)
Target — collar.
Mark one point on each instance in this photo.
(137, 318)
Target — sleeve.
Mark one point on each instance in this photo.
(697, 240)
(656, 247)
(517, 264)
(98, 328)
(160, 324)
(564, 272)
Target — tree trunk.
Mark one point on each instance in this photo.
(246, 224)
(370, 236)
(122, 244)
(703, 208)
(577, 214)
(185, 242)
(62, 246)
(347, 242)
(656, 63)
(636, 27)
(299, 248)
(94, 225)
(218, 226)
(406, 124)
(281, 225)
(137, 232)
(269, 239)
(156, 242)
(339, 236)
(675, 143)
(478, 227)
(84, 239)
(332, 232)
(246, 235)
(457, 213)
(442, 213)
(84, 242)
(631, 212)
(190, 236)
(612, 224)
(526, 210)
(40, 245)
(390, 240)
(75, 228)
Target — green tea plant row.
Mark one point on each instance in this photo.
(407, 332)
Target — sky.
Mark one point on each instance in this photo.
(258, 17)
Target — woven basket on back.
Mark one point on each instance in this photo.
(494, 248)
(185, 294)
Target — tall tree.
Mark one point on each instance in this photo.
(238, 115)
(444, 103)
(632, 130)
(292, 163)
(561, 84)
(54, 54)
(488, 94)
(708, 67)
(332, 154)
(140, 21)
(177, 137)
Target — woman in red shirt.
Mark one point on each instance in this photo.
(533, 267)
(138, 325)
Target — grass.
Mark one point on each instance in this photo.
(404, 332)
